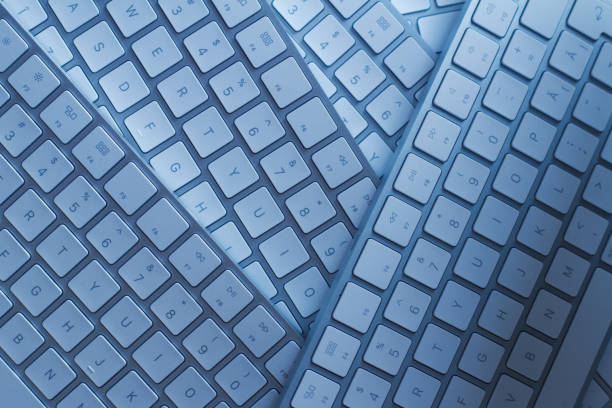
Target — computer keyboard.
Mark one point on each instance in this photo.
(217, 100)
(482, 275)
(111, 292)
(358, 51)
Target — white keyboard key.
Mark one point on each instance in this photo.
(156, 51)
(298, 14)
(447, 220)
(36, 290)
(310, 207)
(458, 389)
(29, 339)
(420, 62)
(337, 163)
(500, 315)
(98, 153)
(79, 202)
(259, 127)
(524, 54)
(366, 390)
(437, 348)
(286, 82)
(29, 215)
(414, 379)
(567, 272)
(360, 75)
(208, 344)
(532, 16)
(466, 178)
(175, 166)
(456, 94)
(586, 230)
(259, 331)
(397, 221)
(61, 250)
(93, 286)
(505, 95)
(162, 224)
(307, 291)
(587, 18)
(496, 220)
(594, 107)
(149, 127)
(67, 325)
(377, 152)
(437, 136)
(598, 188)
(176, 309)
(207, 132)
(407, 307)
(285, 167)
(47, 362)
(495, 16)
(529, 356)
(124, 86)
(515, 178)
(378, 27)
(352, 119)
(235, 13)
(233, 172)
(548, 314)
(187, 385)
(34, 81)
(227, 296)
(509, 393)
(132, 383)
(47, 166)
(11, 49)
(182, 14)
(194, 260)
(329, 40)
(315, 389)
(182, 91)
(13, 255)
(539, 230)
(475, 53)
(456, 305)
(144, 273)
(66, 117)
(132, 18)
(310, 133)
(356, 307)
(520, 272)
(481, 358)
(234, 87)
(427, 263)
(240, 370)
(390, 109)
(552, 95)
(417, 178)
(602, 70)
(356, 199)
(387, 350)
(261, 42)
(328, 86)
(77, 76)
(370, 268)
(28, 13)
(258, 212)
(112, 237)
(436, 28)
(19, 130)
(98, 46)
(558, 189)
(571, 54)
(229, 238)
(335, 351)
(476, 262)
(486, 136)
(52, 43)
(332, 245)
(208, 47)
(576, 147)
(534, 137)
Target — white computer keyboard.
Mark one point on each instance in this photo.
(216, 99)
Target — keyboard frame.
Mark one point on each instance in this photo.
(144, 241)
(231, 216)
(324, 319)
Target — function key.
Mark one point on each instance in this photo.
(315, 391)
(34, 81)
(260, 42)
(227, 296)
(336, 351)
(28, 13)
(66, 117)
(130, 188)
(98, 152)
(495, 16)
(236, 12)
(378, 27)
(132, 384)
(11, 45)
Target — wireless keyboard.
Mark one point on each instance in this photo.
(359, 52)
(218, 101)
(111, 294)
(482, 275)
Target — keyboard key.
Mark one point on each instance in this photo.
(548, 314)
(366, 390)
(427, 263)
(332, 245)
(286, 82)
(98, 152)
(436, 348)
(481, 358)
(413, 379)
(586, 230)
(466, 178)
(533, 137)
(397, 221)
(61, 250)
(307, 291)
(162, 224)
(50, 41)
(280, 364)
(558, 189)
(539, 230)
(495, 220)
(112, 237)
(437, 136)
(73, 18)
(19, 130)
(476, 262)
(285, 167)
(355, 200)
(157, 357)
(260, 42)
(475, 53)
(387, 350)
(259, 127)
(495, 16)
(12, 254)
(407, 298)
(508, 386)
(19, 339)
(227, 296)
(67, 325)
(360, 75)
(585, 17)
(175, 166)
(144, 273)
(447, 221)
(337, 163)
(532, 16)
(301, 122)
(390, 109)
(154, 45)
(356, 307)
(79, 202)
(194, 260)
(208, 344)
(50, 362)
(11, 49)
(47, 166)
(190, 388)
(34, 81)
(124, 86)
(36, 290)
(500, 315)
(125, 321)
(314, 388)
(230, 239)
(233, 172)
(98, 46)
(131, 384)
(329, 40)
(552, 95)
(567, 272)
(93, 286)
(182, 92)
(576, 147)
(529, 356)
(524, 54)
(29, 215)
(237, 13)
(515, 178)
(234, 87)
(298, 15)
(458, 389)
(420, 62)
(378, 27)
(335, 351)
(130, 188)
(208, 47)
(593, 107)
(240, 379)
(66, 117)
(571, 54)
(505, 95)
(176, 309)
(456, 305)
(377, 152)
(132, 19)
(259, 331)
(520, 272)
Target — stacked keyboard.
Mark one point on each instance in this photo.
(111, 293)
(220, 104)
(481, 276)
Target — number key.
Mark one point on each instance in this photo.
(112, 237)
(447, 221)
(176, 309)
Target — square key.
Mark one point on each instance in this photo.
(456, 94)
(456, 305)
(259, 331)
(390, 109)
(476, 263)
(447, 220)
(190, 390)
(47, 166)
(18, 130)
(258, 212)
(12, 45)
(314, 388)
(30, 215)
(29, 340)
(481, 358)
(133, 17)
(427, 263)
(66, 117)
(156, 51)
(98, 46)
(397, 221)
(208, 47)
(93, 286)
(307, 291)
(298, 20)
(194, 260)
(285, 167)
(417, 178)
(149, 126)
(72, 18)
(336, 351)
(407, 298)
(12, 255)
(234, 87)
(98, 152)
(39, 373)
(329, 40)
(233, 172)
(131, 384)
(539, 230)
(356, 307)
(61, 250)
(378, 27)
(176, 308)
(260, 42)
(420, 61)
(124, 86)
(144, 273)
(34, 81)
(437, 136)
(475, 53)
(162, 224)
(157, 357)
(310, 207)
(360, 75)
(112, 237)
(208, 132)
(79, 202)
(440, 357)
(100, 361)
(182, 92)
(387, 350)
(259, 127)
(231, 241)
(286, 82)
(183, 14)
(356, 199)
(208, 344)
(227, 296)
(241, 371)
(279, 365)
(67, 325)
(130, 188)
(505, 95)
(332, 245)
(415, 379)
(337, 162)
(125, 321)
(308, 131)
(366, 390)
